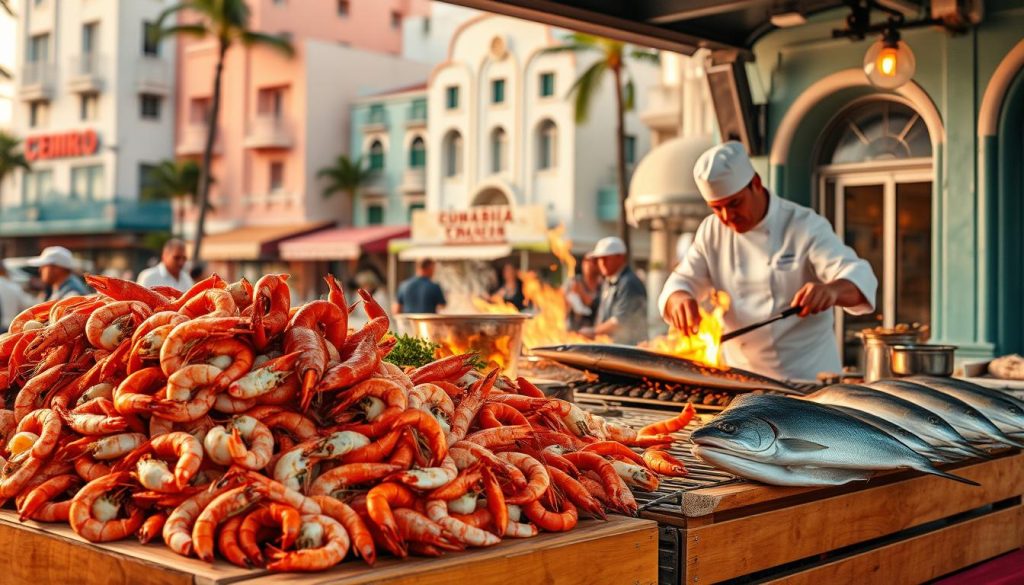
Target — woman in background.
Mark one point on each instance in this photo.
(510, 290)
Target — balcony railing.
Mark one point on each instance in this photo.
(75, 215)
(268, 131)
(417, 116)
(85, 73)
(153, 75)
(414, 180)
(36, 81)
(193, 140)
(377, 121)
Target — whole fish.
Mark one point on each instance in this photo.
(783, 431)
(897, 432)
(787, 475)
(1005, 411)
(922, 422)
(964, 418)
(633, 361)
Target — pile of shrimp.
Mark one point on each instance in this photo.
(224, 419)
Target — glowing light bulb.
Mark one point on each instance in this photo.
(887, 62)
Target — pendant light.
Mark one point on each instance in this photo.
(889, 62)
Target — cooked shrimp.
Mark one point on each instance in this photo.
(186, 448)
(234, 501)
(251, 443)
(271, 301)
(211, 303)
(561, 520)
(445, 369)
(95, 510)
(92, 424)
(104, 448)
(184, 337)
(191, 410)
(242, 292)
(437, 510)
(357, 529)
(46, 425)
(415, 527)
(135, 393)
(126, 290)
(671, 425)
(379, 502)
(340, 478)
(178, 528)
(471, 403)
(539, 481)
(428, 478)
(324, 317)
(115, 322)
(228, 543)
(45, 492)
(662, 463)
(333, 550)
(265, 378)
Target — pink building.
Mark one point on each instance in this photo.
(282, 120)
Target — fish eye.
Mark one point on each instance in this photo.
(1014, 410)
(933, 420)
(726, 427)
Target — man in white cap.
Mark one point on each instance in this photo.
(768, 254)
(56, 269)
(622, 305)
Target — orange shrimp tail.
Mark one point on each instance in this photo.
(309, 381)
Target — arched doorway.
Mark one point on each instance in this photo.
(490, 196)
(874, 184)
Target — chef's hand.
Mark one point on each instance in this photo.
(587, 332)
(814, 298)
(682, 312)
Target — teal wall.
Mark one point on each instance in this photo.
(397, 113)
(976, 285)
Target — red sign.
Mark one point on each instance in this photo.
(476, 224)
(63, 145)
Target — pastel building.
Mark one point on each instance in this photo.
(282, 120)
(93, 102)
(8, 40)
(502, 131)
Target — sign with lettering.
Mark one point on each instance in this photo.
(61, 145)
(488, 224)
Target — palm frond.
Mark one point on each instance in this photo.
(645, 56)
(584, 88)
(5, 73)
(171, 10)
(276, 42)
(192, 30)
(6, 5)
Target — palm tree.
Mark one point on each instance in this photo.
(11, 156)
(172, 181)
(227, 21)
(346, 176)
(611, 58)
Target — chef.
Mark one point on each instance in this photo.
(768, 254)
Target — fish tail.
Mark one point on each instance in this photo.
(940, 473)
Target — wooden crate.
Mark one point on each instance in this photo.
(899, 528)
(621, 550)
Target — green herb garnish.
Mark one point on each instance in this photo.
(412, 351)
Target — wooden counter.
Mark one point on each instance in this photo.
(621, 550)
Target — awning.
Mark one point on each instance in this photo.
(341, 243)
(254, 242)
(442, 253)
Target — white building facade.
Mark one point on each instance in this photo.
(8, 38)
(93, 105)
(502, 129)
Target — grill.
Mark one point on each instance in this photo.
(657, 394)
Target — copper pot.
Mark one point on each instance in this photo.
(497, 338)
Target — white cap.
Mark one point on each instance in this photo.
(723, 171)
(54, 256)
(610, 246)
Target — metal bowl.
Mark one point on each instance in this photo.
(915, 359)
(498, 338)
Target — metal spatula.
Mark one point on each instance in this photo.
(749, 328)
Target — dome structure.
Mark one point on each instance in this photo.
(662, 187)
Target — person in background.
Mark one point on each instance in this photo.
(510, 290)
(581, 294)
(171, 269)
(56, 270)
(13, 299)
(420, 294)
(622, 306)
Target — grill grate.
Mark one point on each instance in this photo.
(666, 499)
(657, 394)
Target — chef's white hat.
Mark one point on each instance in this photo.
(722, 171)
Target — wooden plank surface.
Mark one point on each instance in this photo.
(732, 497)
(744, 545)
(925, 557)
(621, 551)
(38, 554)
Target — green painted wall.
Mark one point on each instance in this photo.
(971, 284)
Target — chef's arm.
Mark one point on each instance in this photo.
(607, 328)
(851, 281)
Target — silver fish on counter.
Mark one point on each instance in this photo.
(1005, 411)
(965, 419)
(633, 361)
(786, 441)
(922, 422)
(897, 432)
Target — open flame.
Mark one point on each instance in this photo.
(705, 346)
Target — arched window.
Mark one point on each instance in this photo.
(376, 155)
(547, 145)
(417, 153)
(875, 187)
(453, 154)
(499, 150)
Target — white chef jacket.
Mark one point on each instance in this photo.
(159, 276)
(762, 270)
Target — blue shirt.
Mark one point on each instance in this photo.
(419, 294)
(70, 287)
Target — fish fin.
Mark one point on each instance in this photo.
(801, 445)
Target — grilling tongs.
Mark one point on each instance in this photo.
(749, 328)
